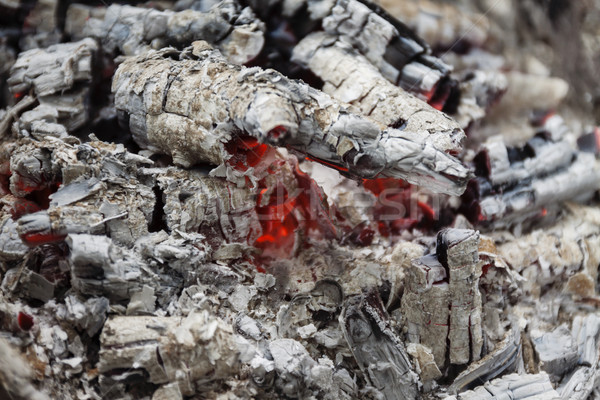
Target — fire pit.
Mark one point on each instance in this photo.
(310, 199)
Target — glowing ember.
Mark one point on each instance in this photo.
(36, 239)
(245, 152)
(25, 321)
(22, 207)
(288, 201)
(397, 208)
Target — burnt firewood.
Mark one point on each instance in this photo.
(305, 120)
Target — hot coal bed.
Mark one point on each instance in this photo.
(299, 199)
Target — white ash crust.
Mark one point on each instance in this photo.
(163, 114)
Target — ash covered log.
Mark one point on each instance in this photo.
(305, 120)
(516, 184)
(353, 79)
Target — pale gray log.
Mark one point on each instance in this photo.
(163, 112)
(353, 79)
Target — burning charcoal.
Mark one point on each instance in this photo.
(255, 236)
(273, 216)
(514, 386)
(479, 91)
(442, 302)
(58, 182)
(228, 26)
(379, 353)
(516, 184)
(400, 55)
(211, 206)
(306, 120)
(352, 79)
(158, 345)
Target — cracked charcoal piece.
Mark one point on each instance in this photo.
(305, 120)
(504, 358)
(211, 206)
(228, 26)
(442, 302)
(82, 189)
(352, 79)
(59, 76)
(371, 339)
(401, 56)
